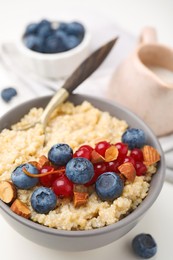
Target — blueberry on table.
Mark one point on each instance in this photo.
(144, 245)
(21, 180)
(43, 200)
(79, 170)
(8, 93)
(109, 186)
(134, 138)
(60, 154)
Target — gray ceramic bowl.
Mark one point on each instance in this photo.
(84, 240)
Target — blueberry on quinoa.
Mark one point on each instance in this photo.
(23, 181)
(60, 154)
(109, 186)
(134, 138)
(144, 245)
(43, 200)
(8, 93)
(79, 170)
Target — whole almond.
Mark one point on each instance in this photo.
(8, 192)
(150, 155)
(128, 170)
(80, 198)
(20, 209)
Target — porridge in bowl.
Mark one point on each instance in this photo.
(118, 163)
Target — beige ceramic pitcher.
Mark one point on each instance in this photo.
(144, 83)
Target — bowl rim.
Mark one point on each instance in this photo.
(55, 56)
(129, 219)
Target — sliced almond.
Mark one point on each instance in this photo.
(111, 153)
(80, 198)
(20, 209)
(128, 170)
(34, 163)
(43, 160)
(96, 157)
(150, 155)
(8, 192)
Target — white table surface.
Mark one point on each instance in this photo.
(132, 16)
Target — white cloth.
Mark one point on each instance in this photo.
(29, 85)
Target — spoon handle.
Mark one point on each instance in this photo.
(84, 70)
(88, 66)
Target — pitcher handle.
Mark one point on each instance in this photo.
(148, 35)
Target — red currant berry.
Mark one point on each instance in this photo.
(88, 147)
(63, 187)
(84, 152)
(101, 147)
(129, 159)
(122, 149)
(99, 168)
(140, 168)
(112, 166)
(48, 179)
(137, 155)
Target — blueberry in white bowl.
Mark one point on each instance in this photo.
(53, 49)
(45, 37)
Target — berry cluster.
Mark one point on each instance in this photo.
(47, 37)
(101, 165)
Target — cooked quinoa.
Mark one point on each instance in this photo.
(74, 125)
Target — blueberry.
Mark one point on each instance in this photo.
(76, 29)
(62, 26)
(34, 43)
(43, 200)
(60, 154)
(144, 245)
(8, 93)
(109, 186)
(134, 138)
(43, 23)
(23, 181)
(51, 44)
(45, 30)
(79, 170)
(31, 28)
(62, 39)
(55, 43)
(73, 41)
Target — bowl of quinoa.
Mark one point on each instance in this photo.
(80, 121)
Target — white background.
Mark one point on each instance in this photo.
(131, 16)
